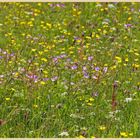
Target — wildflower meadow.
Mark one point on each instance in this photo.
(70, 70)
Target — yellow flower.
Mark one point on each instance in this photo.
(125, 37)
(88, 37)
(42, 83)
(71, 52)
(35, 106)
(102, 128)
(130, 134)
(45, 72)
(7, 99)
(78, 13)
(16, 74)
(113, 67)
(136, 65)
(81, 136)
(78, 41)
(39, 4)
(136, 60)
(126, 59)
(123, 134)
(10, 62)
(91, 99)
(104, 32)
(40, 52)
(119, 60)
(93, 136)
(97, 36)
(137, 54)
(129, 18)
(89, 104)
(36, 64)
(33, 50)
(101, 9)
(12, 89)
(49, 25)
(44, 59)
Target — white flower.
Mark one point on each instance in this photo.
(64, 134)
(111, 6)
(98, 5)
(128, 100)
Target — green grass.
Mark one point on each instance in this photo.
(69, 70)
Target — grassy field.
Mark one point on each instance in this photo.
(70, 70)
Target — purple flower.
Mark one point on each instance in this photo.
(94, 77)
(54, 78)
(60, 5)
(68, 60)
(12, 54)
(62, 55)
(97, 68)
(105, 69)
(95, 94)
(74, 67)
(84, 68)
(57, 5)
(55, 60)
(4, 52)
(51, 5)
(33, 77)
(132, 9)
(86, 75)
(22, 69)
(45, 79)
(128, 25)
(90, 58)
(76, 38)
(115, 3)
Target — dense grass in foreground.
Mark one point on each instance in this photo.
(70, 70)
